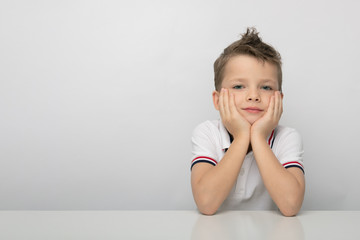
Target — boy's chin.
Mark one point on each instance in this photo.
(252, 120)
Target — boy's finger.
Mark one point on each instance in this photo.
(278, 104)
(281, 103)
(232, 106)
(221, 102)
(226, 102)
(270, 110)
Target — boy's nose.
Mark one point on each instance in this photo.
(253, 97)
(256, 99)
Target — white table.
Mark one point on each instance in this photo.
(182, 225)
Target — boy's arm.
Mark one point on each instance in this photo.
(212, 184)
(285, 186)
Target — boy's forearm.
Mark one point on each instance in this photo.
(216, 184)
(284, 188)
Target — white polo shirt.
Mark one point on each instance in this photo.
(210, 141)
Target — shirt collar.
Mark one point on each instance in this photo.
(225, 137)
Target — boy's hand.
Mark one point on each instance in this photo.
(264, 125)
(234, 122)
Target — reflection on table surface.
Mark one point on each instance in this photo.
(247, 225)
(178, 225)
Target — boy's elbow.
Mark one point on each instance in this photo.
(291, 205)
(206, 207)
(291, 209)
(289, 212)
(207, 211)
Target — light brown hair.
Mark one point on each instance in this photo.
(250, 44)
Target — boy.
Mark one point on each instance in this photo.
(245, 161)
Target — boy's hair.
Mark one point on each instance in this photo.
(250, 44)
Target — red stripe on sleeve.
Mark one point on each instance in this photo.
(203, 157)
(292, 163)
(272, 134)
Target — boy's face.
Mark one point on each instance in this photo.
(252, 82)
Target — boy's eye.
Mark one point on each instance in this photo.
(267, 88)
(238, 87)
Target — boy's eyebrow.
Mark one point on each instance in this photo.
(238, 79)
(268, 80)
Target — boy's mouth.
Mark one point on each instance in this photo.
(253, 109)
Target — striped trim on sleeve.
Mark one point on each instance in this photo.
(294, 164)
(203, 159)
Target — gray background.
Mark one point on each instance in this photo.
(98, 99)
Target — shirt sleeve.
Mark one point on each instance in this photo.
(291, 150)
(203, 145)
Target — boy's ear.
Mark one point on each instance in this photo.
(215, 96)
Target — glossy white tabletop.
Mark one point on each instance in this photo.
(178, 225)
